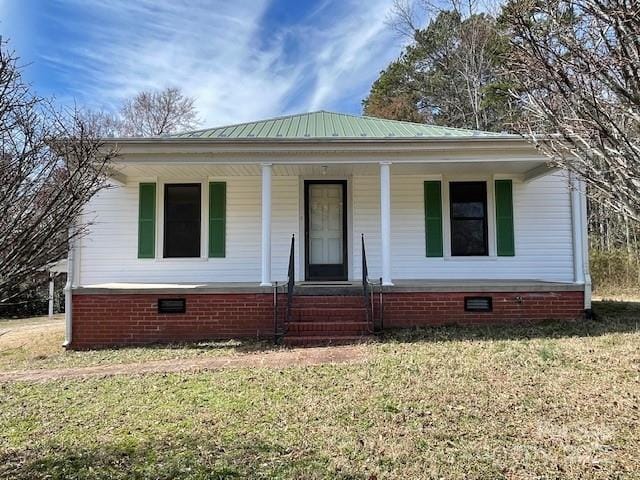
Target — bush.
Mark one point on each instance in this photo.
(34, 299)
(615, 272)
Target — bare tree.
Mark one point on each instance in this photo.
(51, 164)
(152, 113)
(577, 65)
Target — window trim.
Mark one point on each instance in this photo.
(485, 219)
(204, 215)
(164, 217)
(491, 215)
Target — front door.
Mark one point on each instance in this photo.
(325, 230)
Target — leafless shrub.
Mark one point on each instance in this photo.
(51, 164)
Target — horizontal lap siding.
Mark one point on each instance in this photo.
(366, 220)
(542, 224)
(542, 232)
(109, 251)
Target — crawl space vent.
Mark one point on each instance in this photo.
(477, 304)
(172, 305)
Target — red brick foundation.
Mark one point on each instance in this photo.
(433, 308)
(101, 320)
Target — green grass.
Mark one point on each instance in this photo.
(552, 401)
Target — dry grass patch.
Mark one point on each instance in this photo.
(36, 343)
(552, 401)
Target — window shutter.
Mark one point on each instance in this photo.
(147, 220)
(217, 218)
(504, 218)
(433, 217)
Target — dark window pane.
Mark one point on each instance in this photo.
(468, 218)
(467, 237)
(471, 209)
(182, 220)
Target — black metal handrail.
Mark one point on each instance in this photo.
(280, 326)
(291, 280)
(368, 292)
(365, 280)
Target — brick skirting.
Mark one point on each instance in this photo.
(431, 308)
(101, 320)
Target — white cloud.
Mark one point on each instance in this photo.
(222, 53)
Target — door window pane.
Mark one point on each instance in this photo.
(325, 224)
(182, 220)
(468, 218)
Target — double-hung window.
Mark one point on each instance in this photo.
(468, 211)
(182, 234)
(182, 220)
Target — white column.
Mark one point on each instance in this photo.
(576, 219)
(585, 244)
(68, 290)
(385, 220)
(51, 293)
(266, 225)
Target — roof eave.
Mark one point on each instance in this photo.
(302, 141)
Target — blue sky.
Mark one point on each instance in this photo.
(241, 59)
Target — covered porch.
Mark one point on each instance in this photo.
(381, 196)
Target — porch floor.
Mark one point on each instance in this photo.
(329, 288)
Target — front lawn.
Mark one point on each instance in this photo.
(36, 343)
(551, 401)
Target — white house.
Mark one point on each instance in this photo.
(193, 241)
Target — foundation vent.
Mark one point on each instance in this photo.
(477, 304)
(172, 305)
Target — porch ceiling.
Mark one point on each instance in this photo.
(185, 170)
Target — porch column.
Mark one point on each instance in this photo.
(385, 220)
(266, 225)
(52, 290)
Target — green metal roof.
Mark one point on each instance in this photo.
(330, 125)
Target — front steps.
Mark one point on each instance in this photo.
(327, 320)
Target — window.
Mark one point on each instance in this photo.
(182, 220)
(468, 218)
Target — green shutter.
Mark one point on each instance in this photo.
(217, 218)
(504, 218)
(433, 217)
(147, 220)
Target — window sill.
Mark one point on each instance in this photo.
(473, 258)
(182, 259)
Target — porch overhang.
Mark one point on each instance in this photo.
(502, 155)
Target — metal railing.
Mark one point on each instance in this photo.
(291, 280)
(368, 293)
(279, 323)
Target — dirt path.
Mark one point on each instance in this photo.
(280, 359)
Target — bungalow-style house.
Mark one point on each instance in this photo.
(325, 227)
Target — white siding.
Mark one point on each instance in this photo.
(542, 225)
(109, 251)
(542, 234)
